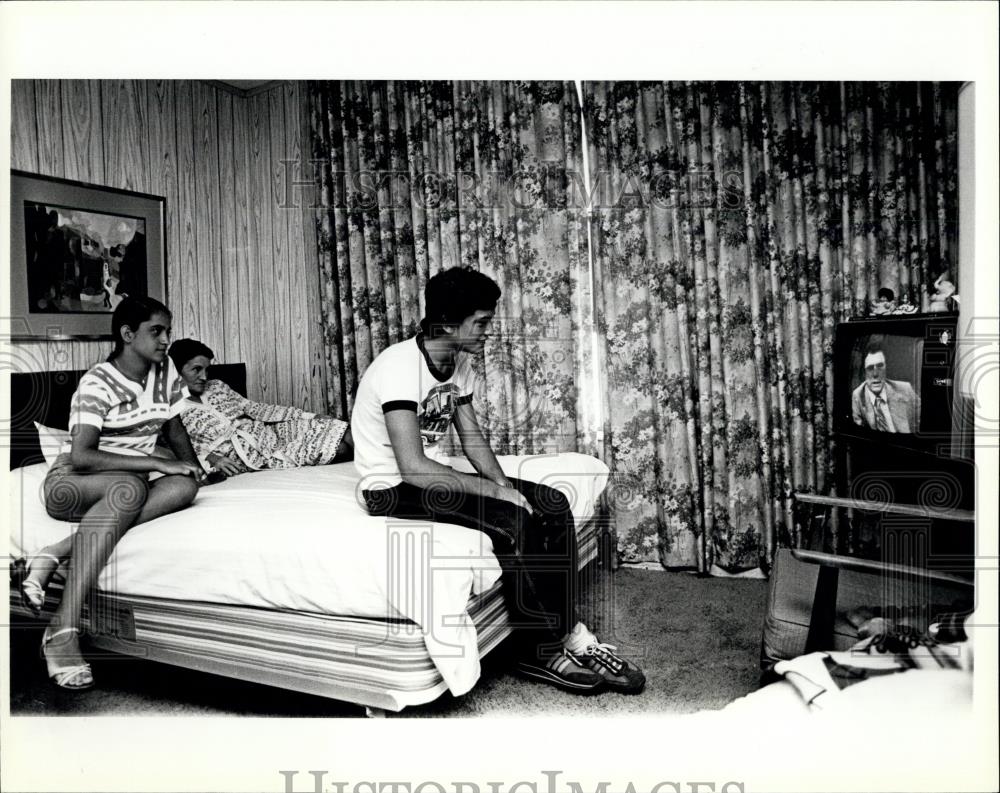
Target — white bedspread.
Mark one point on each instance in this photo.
(301, 540)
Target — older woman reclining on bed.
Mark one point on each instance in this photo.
(233, 434)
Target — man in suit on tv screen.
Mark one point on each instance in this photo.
(882, 404)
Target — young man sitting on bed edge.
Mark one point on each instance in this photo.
(406, 401)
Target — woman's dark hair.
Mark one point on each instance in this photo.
(132, 312)
(183, 350)
(454, 294)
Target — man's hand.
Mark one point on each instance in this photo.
(223, 464)
(514, 497)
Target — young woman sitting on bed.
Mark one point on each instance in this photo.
(101, 478)
(232, 434)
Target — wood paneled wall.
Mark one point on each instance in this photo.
(242, 270)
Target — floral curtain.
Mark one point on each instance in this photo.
(734, 225)
(421, 176)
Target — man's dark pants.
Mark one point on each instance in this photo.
(537, 553)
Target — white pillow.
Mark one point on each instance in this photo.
(31, 528)
(51, 440)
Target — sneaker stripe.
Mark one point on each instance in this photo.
(561, 662)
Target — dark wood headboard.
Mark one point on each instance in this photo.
(45, 396)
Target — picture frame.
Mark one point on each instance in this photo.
(77, 250)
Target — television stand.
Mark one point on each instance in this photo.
(908, 533)
(915, 510)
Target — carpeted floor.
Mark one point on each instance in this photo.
(697, 640)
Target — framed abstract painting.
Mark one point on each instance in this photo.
(76, 251)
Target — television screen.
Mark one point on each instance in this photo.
(885, 394)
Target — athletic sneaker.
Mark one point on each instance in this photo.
(564, 670)
(619, 674)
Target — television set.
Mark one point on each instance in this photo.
(894, 380)
(894, 383)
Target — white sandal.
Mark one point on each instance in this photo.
(75, 677)
(33, 593)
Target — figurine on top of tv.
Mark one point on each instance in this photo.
(884, 302)
(904, 306)
(944, 292)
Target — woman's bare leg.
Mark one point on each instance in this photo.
(167, 494)
(43, 565)
(117, 501)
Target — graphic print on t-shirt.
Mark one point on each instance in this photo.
(436, 412)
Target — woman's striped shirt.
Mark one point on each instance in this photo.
(128, 415)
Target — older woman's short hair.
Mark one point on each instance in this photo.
(183, 350)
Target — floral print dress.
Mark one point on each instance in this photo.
(255, 435)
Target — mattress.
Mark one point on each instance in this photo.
(299, 540)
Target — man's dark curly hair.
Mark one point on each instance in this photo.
(454, 294)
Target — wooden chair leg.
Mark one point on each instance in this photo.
(824, 610)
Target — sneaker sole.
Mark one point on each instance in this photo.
(546, 676)
(623, 689)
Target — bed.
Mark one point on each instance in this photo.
(281, 577)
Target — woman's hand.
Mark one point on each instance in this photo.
(179, 468)
(223, 464)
